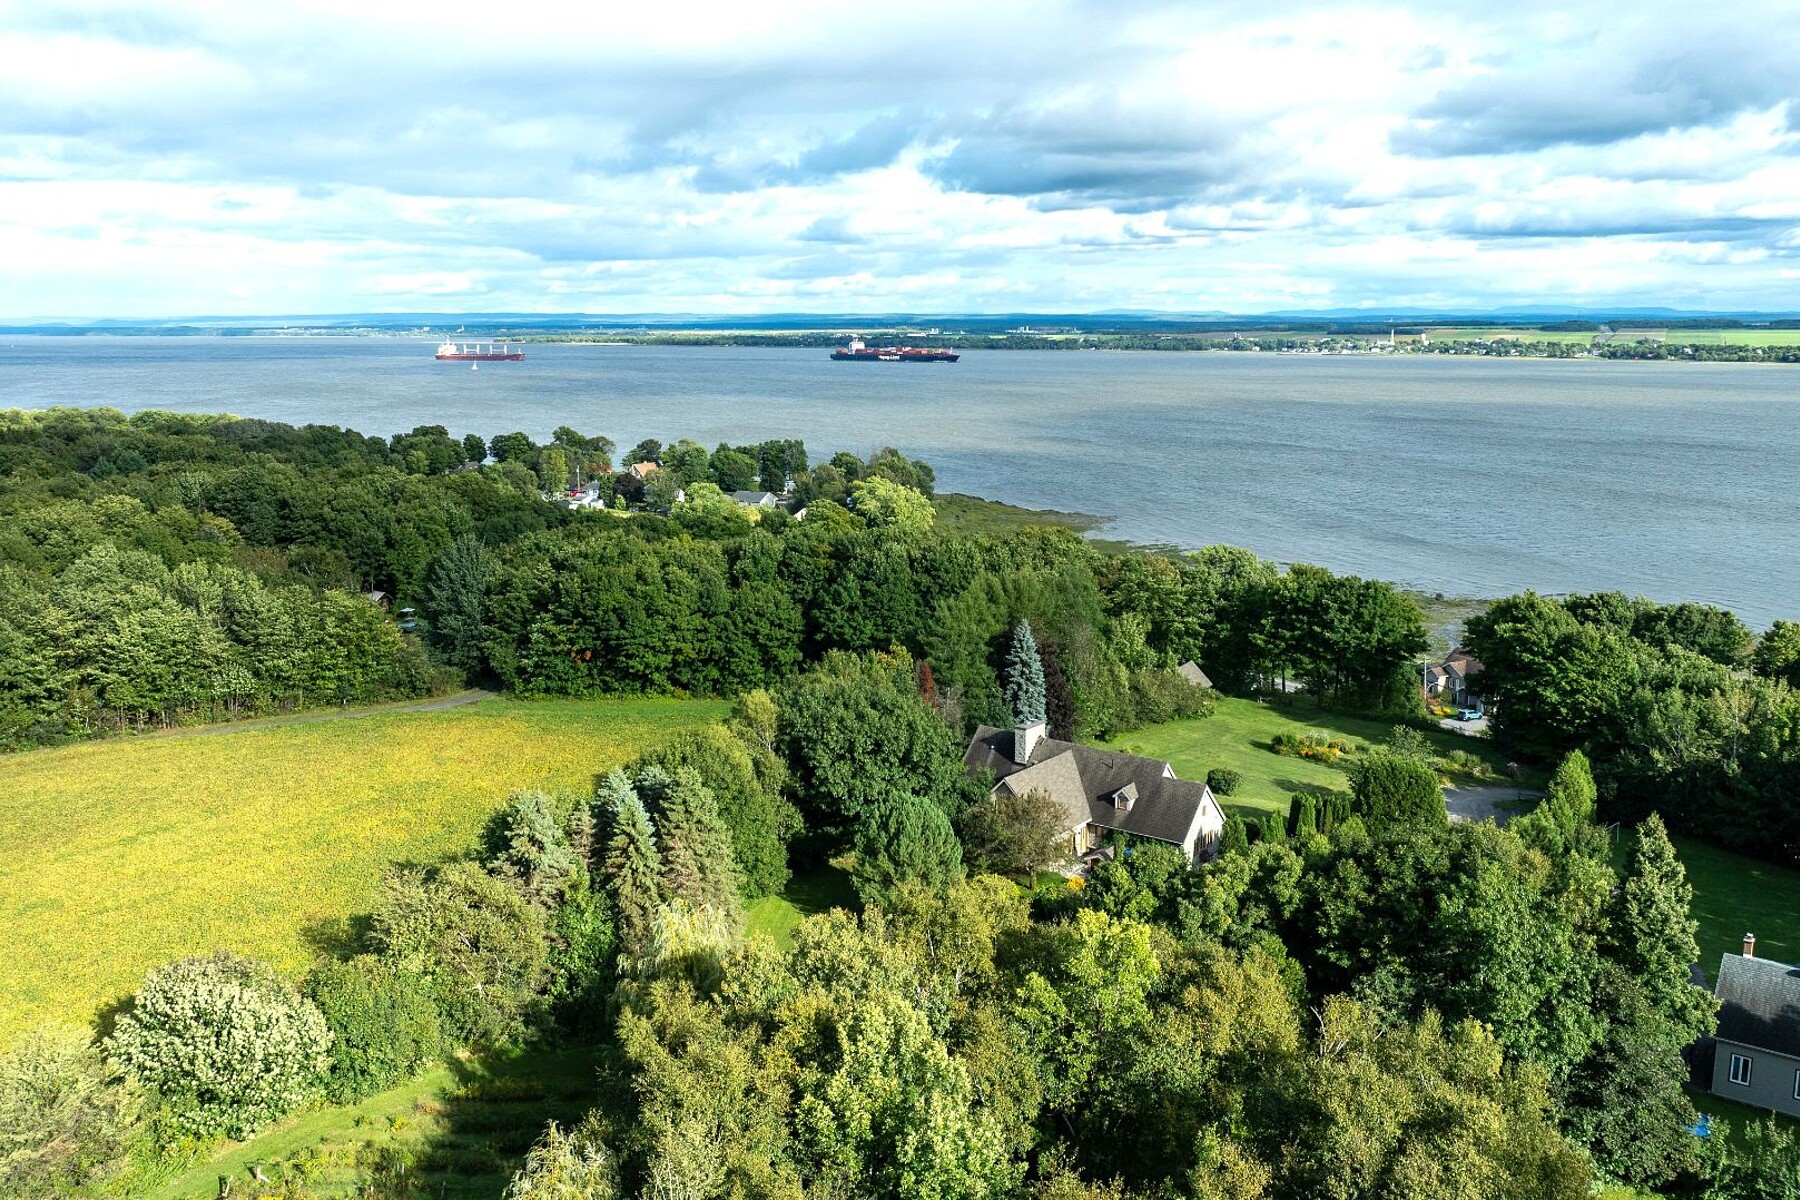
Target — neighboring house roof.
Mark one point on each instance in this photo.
(644, 470)
(1190, 671)
(1084, 780)
(1463, 663)
(377, 596)
(1759, 1004)
(757, 499)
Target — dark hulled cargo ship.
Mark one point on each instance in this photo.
(857, 352)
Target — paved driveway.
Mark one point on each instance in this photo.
(1481, 803)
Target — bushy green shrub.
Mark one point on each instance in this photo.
(567, 1166)
(227, 1044)
(1388, 789)
(1223, 781)
(481, 944)
(64, 1117)
(384, 1025)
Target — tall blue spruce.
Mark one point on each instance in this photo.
(1024, 676)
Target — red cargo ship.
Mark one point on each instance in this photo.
(478, 352)
(857, 352)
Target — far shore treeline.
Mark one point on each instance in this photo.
(163, 569)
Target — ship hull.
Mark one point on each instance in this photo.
(912, 356)
(515, 356)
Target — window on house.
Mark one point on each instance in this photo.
(1797, 1085)
(1740, 1070)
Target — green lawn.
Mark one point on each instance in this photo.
(1735, 894)
(124, 854)
(807, 894)
(462, 1129)
(1237, 735)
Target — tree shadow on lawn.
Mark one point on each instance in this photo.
(820, 889)
(464, 1139)
(1306, 788)
(482, 1127)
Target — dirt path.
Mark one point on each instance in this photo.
(435, 704)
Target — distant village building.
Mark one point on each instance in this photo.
(1756, 1057)
(1454, 680)
(1099, 790)
(756, 499)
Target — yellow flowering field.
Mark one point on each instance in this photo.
(117, 856)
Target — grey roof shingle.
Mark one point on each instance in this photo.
(1759, 1004)
(1075, 776)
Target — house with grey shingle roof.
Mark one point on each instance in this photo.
(1099, 790)
(756, 499)
(1757, 1060)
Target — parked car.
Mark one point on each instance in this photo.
(1470, 714)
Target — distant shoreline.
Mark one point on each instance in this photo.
(1772, 346)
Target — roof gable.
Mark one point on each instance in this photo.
(1759, 1004)
(1084, 780)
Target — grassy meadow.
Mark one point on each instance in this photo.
(1237, 735)
(125, 854)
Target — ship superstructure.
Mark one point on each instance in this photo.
(857, 351)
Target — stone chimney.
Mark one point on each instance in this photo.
(1749, 945)
(1025, 740)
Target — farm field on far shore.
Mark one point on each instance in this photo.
(130, 852)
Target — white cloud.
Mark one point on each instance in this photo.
(193, 156)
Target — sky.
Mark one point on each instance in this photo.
(233, 158)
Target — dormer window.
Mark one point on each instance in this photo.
(1125, 797)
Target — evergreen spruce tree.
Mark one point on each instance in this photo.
(633, 869)
(1273, 827)
(455, 601)
(1653, 931)
(1024, 676)
(697, 865)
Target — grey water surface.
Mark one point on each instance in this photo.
(1464, 476)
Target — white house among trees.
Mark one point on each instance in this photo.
(1100, 790)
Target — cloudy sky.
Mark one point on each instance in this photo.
(236, 158)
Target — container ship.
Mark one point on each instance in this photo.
(857, 352)
(478, 352)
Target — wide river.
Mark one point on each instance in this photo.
(1463, 476)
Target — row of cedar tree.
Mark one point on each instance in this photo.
(1380, 1006)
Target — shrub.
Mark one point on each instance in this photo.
(63, 1116)
(567, 1166)
(906, 841)
(227, 1044)
(480, 943)
(1223, 781)
(383, 1021)
(1392, 790)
